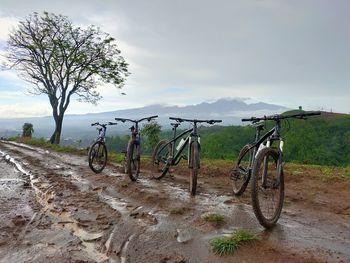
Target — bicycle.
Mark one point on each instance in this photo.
(164, 155)
(98, 151)
(264, 165)
(133, 151)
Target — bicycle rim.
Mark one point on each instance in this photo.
(97, 157)
(133, 161)
(240, 174)
(268, 196)
(195, 167)
(160, 157)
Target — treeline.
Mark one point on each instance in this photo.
(323, 140)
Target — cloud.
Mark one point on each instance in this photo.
(25, 109)
(283, 52)
(7, 23)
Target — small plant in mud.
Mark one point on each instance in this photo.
(229, 244)
(214, 218)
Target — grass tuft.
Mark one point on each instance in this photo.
(214, 218)
(229, 244)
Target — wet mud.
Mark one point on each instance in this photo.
(55, 209)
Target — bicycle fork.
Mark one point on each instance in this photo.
(278, 166)
(196, 163)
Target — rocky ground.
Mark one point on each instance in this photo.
(55, 209)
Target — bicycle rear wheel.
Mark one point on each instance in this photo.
(240, 174)
(267, 187)
(194, 167)
(133, 160)
(97, 156)
(160, 157)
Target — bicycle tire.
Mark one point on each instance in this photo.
(160, 157)
(240, 173)
(97, 157)
(262, 193)
(133, 161)
(194, 167)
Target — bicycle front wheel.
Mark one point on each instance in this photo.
(240, 174)
(194, 166)
(160, 157)
(133, 160)
(267, 187)
(97, 156)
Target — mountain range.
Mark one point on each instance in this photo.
(229, 110)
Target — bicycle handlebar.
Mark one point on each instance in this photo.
(136, 121)
(195, 120)
(280, 116)
(103, 124)
(112, 123)
(99, 124)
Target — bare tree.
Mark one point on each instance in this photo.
(63, 60)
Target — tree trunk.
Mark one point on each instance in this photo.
(56, 136)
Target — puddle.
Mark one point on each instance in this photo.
(119, 205)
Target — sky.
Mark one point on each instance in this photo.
(180, 52)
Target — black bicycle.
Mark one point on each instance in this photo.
(166, 155)
(98, 151)
(264, 164)
(133, 152)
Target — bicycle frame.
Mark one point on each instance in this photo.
(268, 138)
(175, 157)
(101, 134)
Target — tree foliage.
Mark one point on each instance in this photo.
(61, 60)
(151, 131)
(27, 130)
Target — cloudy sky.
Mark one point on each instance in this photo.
(289, 53)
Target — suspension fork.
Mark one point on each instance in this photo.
(280, 162)
(192, 139)
(264, 175)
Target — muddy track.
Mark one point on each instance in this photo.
(107, 218)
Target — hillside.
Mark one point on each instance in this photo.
(323, 140)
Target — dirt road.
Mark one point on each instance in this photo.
(55, 209)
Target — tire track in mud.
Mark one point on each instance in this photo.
(72, 215)
(46, 195)
(120, 221)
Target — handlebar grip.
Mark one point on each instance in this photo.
(112, 123)
(120, 119)
(214, 121)
(152, 117)
(250, 119)
(176, 119)
(94, 124)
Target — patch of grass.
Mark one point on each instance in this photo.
(41, 142)
(229, 244)
(214, 218)
(176, 211)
